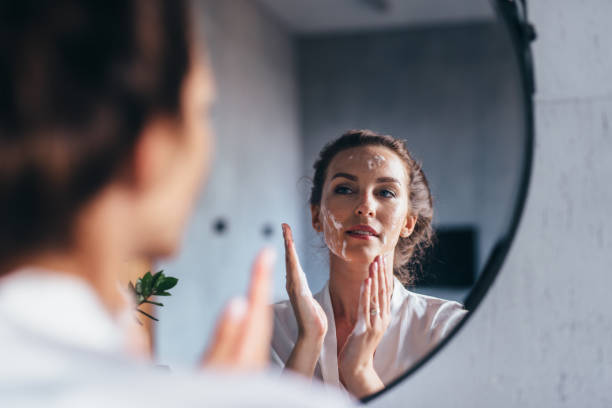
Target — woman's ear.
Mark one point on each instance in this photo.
(315, 212)
(409, 226)
(154, 152)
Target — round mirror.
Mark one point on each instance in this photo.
(446, 78)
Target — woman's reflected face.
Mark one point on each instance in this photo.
(364, 206)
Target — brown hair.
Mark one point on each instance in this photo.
(410, 250)
(78, 82)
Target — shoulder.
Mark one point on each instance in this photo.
(434, 304)
(430, 313)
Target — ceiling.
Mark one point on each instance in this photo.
(316, 16)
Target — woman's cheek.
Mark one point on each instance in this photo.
(395, 228)
(332, 233)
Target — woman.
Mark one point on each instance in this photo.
(372, 203)
(104, 141)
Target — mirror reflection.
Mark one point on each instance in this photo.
(372, 203)
(385, 137)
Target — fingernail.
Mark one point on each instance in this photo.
(237, 308)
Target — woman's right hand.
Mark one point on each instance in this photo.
(311, 320)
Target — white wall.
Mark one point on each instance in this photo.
(543, 335)
(253, 179)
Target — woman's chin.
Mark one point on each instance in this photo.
(361, 255)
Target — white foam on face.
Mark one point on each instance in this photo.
(344, 251)
(376, 161)
(331, 227)
(331, 218)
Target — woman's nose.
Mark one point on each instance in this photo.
(365, 206)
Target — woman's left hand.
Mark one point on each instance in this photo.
(356, 359)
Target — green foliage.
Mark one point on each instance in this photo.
(151, 285)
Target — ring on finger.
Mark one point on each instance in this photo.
(373, 310)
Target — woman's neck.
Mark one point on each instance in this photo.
(99, 272)
(101, 248)
(345, 281)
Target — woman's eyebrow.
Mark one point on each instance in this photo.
(345, 175)
(387, 180)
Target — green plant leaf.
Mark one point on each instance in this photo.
(147, 284)
(163, 294)
(157, 278)
(138, 287)
(168, 283)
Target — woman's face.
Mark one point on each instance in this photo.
(364, 206)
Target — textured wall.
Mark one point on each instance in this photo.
(449, 90)
(542, 336)
(253, 178)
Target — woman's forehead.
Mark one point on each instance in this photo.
(368, 160)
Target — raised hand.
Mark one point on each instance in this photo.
(311, 320)
(356, 359)
(242, 338)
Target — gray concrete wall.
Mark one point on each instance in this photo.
(450, 91)
(542, 336)
(253, 180)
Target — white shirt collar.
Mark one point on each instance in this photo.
(328, 361)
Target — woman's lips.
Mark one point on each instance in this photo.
(362, 232)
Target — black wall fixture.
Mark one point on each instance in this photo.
(220, 226)
(267, 231)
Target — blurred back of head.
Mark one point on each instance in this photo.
(78, 82)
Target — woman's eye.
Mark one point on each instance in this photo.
(343, 190)
(387, 194)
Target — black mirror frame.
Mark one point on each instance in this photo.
(513, 15)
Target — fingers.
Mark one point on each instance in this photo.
(382, 285)
(291, 258)
(242, 337)
(261, 278)
(225, 341)
(389, 283)
(366, 301)
(296, 279)
(375, 285)
(257, 329)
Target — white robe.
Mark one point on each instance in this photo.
(418, 323)
(60, 348)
